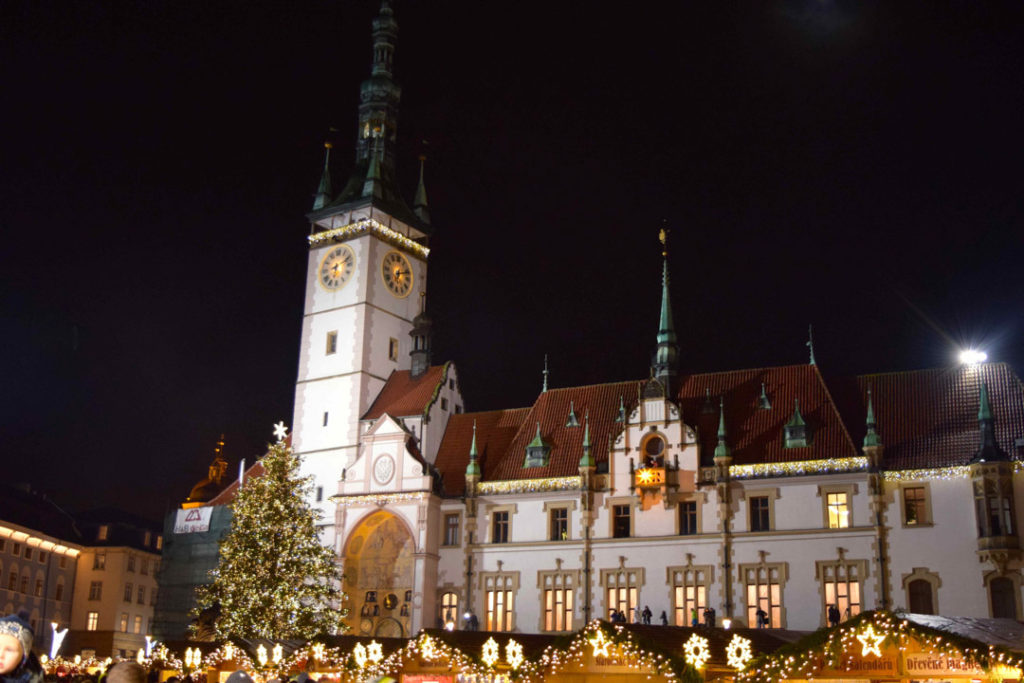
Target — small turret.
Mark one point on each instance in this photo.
(722, 449)
(666, 358)
(323, 192)
(989, 450)
(871, 439)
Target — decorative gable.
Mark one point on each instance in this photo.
(537, 452)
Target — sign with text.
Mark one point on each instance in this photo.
(927, 665)
(193, 520)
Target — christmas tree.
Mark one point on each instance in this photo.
(275, 579)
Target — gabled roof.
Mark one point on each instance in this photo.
(494, 431)
(929, 418)
(405, 396)
(755, 434)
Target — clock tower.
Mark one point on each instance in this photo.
(366, 272)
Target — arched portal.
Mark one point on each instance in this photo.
(379, 575)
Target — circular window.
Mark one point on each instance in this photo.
(654, 446)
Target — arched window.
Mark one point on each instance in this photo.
(919, 595)
(1004, 602)
(449, 608)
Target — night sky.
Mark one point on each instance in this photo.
(855, 165)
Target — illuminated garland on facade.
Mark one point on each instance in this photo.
(529, 485)
(379, 499)
(798, 468)
(369, 225)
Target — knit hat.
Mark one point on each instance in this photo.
(17, 625)
(126, 672)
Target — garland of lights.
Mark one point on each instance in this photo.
(369, 225)
(379, 499)
(529, 485)
(798, 468)
(864, 636)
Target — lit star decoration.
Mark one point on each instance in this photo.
(697, 651)
(318, 651)
(514, 654)
(870, 642)
(427, 649)
(359, 655)
(280, 431)
(277, 653)
(374, 652)
(489, 654)
(261, 655)
(600, 644)
(738, 652)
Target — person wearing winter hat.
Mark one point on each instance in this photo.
(17, 663)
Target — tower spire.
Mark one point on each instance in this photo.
(323, 192)
(419, 202)
(810, 343)
(666, 361)
(544, 389)
(722, 449)
(871, 439)
(989, 450)
(473, 468)
(586, 460)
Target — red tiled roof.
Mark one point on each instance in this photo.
(403, 396)
(551, 410)
(929, 418)
(754, 434)
(494, 431)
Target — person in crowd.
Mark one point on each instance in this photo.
(126, 672)
(762, 618)
(647, 614)
(18, 664)
(833, 615)
(664, 618)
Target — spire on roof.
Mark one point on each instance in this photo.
(572, 420)
(586, 460)
(419, 202)
(795, 430)
(871, 439)
(323, 192)
(537, 451)
(810, 343)
(544, 389)
(989, 450)
(473, 468)
(763, 402)
(373, 186)
(621, 417)
(722, 449)
(666, 357)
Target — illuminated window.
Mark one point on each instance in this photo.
(137, 627)
(621, 521)
(689, 593)
(95, 590)
(499, 600)
(449, 608)
(392, 349)
(128, 591)
(124, 622)
(332, 342)
(558, 525)
(451, 529)
(159, 542)
(99, 561)
(557, 594)
(102, 532)
(499, 527)
(688, 521)
(841, 586)
(146, 538)
(92, 620)
(838, 510)
(915, 506)
(763, 589)
(760, 513)
(621, 586)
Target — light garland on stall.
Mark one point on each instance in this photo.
(369, 225)
(864, 636)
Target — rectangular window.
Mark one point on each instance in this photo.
(689, 594)
(688, 519)
(63, 562)
(451, 529)
(458, 409)
(141, 599)
(102, 532)
(764, 593)
(558, 525)
(128, 592)
(16, 549)
(146, 538)
(332, 343)
(444, 403)
(325, 418)
(95, 590)
(99, 561)
(842, 587)
(24, 583)
(12, 581)
(28, 553)
(124, 622)
(41, 556)
(152, 596)
(92, 620)
(3, 544)
(621, 586)
(392, 349)
(499, 527)
(838, 510)
(499, 600)
(39, 588)
(138, 624)
(319, 494)
(558, 609)
(620, 521)
(159, 542)
(915, 505)
(451, 384)
(131, 562)
(59, 595)
(760, 518)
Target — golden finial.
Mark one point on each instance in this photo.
(663, 238)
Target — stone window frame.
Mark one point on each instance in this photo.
(823, 492)
(567, 580)
(499, 581)
(772, 494)
(444, 590)
(840, 566)
(569, 506)
(698, 497)
(610, 505)
(782, 570)
(928, 521)
(445, 516)
(624, 577)
(1013, 576)
(923, 574)
(393, 349)
(683, 576)
(511, 509)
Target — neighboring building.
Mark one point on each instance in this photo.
(774, 489)
(39, 547)
(115, 584)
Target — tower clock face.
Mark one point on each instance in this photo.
(397, 274)
(337, 266)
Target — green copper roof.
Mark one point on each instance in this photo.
(373, 185)
(722, 449)
(871, 439)
(572, 421)
(537, 442)
(795, 430)
(666, 329)
(763, 402)
(621, 417)
(323, 192)
(586, 460)
(473, 468)
(419, 202)
(797, 420)
(984, 409)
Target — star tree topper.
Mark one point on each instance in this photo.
(280, 431)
